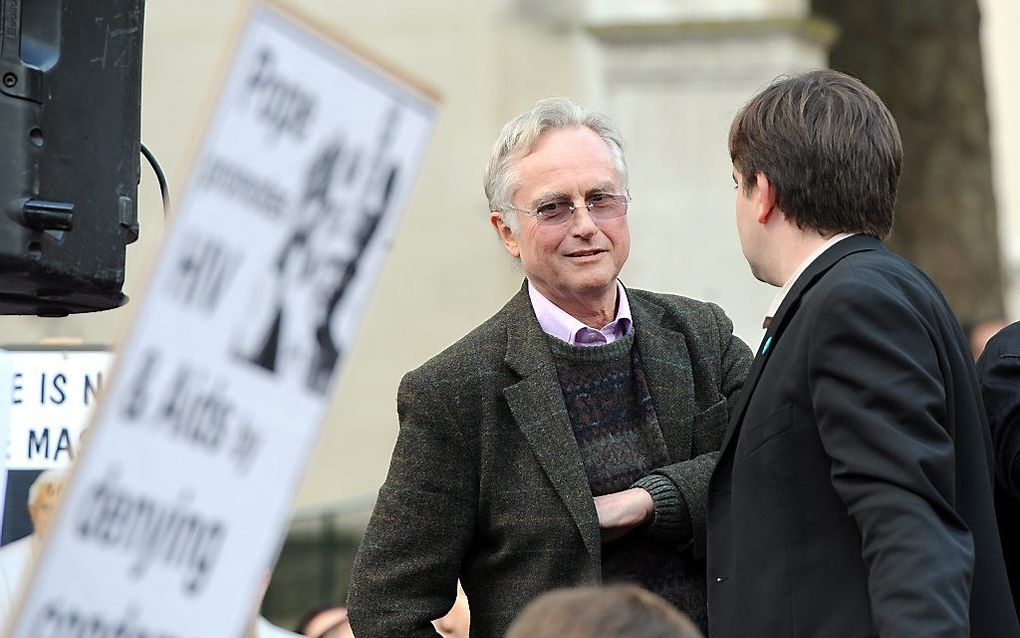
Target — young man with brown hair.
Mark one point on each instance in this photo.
(853, 493)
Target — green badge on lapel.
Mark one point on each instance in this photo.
(766, 345)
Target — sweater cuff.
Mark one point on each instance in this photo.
(672, 521)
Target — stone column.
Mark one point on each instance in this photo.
(673, 73)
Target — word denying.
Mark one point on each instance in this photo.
(168, 533)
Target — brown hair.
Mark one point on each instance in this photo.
(613, 611)
(829, 147)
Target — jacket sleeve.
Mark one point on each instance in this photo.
(680, 490)
(1000, 388)
(877, 390)
(405, 573)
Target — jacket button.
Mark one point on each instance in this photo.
(722, 579)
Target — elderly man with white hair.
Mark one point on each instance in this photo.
(567, 440)
(17, 558)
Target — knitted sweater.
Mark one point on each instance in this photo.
(614, 422)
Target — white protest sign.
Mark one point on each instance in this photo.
(50, 396)
(176, 510)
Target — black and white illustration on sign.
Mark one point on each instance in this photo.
(295, 326)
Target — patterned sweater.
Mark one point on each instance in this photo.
(613, 420)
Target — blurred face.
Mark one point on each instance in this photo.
(578, 261)
(45, 505)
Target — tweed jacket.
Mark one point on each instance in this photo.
(486, 482)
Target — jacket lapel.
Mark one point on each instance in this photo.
(536, 402)
(668, 372)
(786, 310)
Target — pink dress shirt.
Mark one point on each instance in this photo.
(557, 323)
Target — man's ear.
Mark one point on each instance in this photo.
(766, 197)
(505, 234)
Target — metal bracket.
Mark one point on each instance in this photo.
(43, 215)
(16, 79)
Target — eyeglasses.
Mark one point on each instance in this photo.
(601, 207)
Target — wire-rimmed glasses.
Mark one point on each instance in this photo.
(601, 207)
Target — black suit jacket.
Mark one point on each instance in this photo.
(853, 493)
(999, 371)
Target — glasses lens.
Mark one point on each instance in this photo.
(554, 212)
(608, 206)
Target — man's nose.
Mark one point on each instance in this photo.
(581, 222)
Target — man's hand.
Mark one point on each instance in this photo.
(620, 512)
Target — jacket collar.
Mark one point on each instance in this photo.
(807, 279)
(536, 401)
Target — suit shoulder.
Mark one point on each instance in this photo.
(883, 292)
(705, 327)
(877, 266)
(684, 310)
(483, 348)
(1005, 342)
(880, 276)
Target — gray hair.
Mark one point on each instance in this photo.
(49, 477)
(519, 136)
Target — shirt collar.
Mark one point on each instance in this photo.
(558, 323)
(785, 290)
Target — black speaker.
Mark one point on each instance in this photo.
(70, 122)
